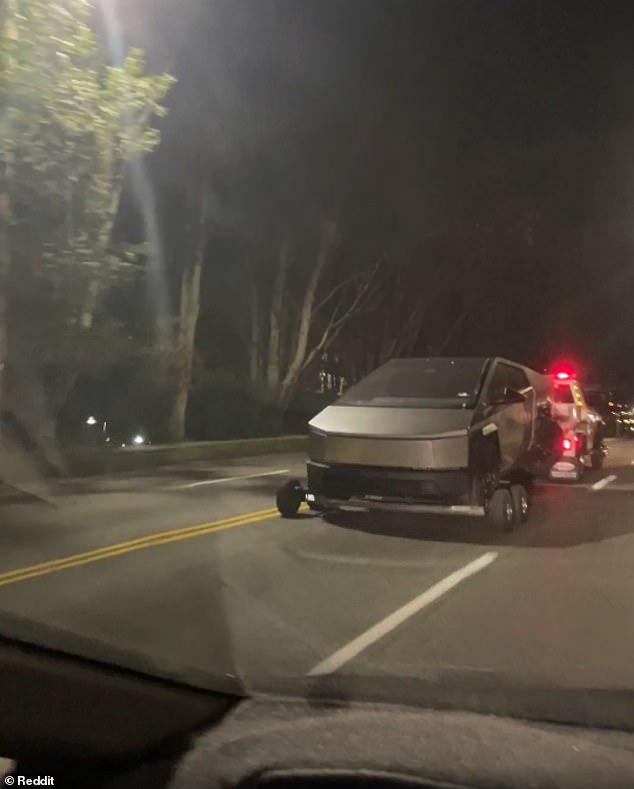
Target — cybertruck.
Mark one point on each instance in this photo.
(463, 436)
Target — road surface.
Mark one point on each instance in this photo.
(189, 572)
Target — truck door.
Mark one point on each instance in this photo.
(514, 422)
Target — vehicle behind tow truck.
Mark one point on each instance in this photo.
(583, 428)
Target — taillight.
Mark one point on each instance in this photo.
(567, 444)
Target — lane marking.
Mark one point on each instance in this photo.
(148, 541)
(233, 479)
(602, 483)
(354, 648)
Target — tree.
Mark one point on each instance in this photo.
(72, 122)
(293, 322)
(184, 340)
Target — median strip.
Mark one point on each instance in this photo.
(118, 549)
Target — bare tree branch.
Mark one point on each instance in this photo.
(340, 317)
(343, 284)
(327, 240)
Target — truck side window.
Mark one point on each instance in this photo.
(505, 376)
(497, 384)
(518, 379)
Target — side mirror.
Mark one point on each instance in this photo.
(510, 397)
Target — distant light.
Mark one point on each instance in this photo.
(138, 440)
(108, 440)
(122, 445)
(91, 420)
(610, 403)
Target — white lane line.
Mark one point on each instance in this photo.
(602, 483)
(393, 620)
(233, 479)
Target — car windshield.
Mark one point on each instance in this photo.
(419, 383)
(254, 257)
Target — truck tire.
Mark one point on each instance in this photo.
(500, 511)
(521, 503)
(288, 498)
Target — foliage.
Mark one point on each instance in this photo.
(223, 406)
(70, 122)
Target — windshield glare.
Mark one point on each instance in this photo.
(419, 383)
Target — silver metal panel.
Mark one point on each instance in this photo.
(365, 505)
(431, 454)
(356, 420)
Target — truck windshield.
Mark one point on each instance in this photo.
(563, 394)
(419, 383)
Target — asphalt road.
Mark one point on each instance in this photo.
(188, 572)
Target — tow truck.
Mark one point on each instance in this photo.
(583, 428)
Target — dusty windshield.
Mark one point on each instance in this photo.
(221, 218)
(420, 383)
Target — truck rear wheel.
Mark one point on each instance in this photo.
(500, 510)
(521, 503)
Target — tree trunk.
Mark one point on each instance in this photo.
(301, 345)
(254, 337)
(187, 323)
(5, 266)
(96, 286)
(273, 366)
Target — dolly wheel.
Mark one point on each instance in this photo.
(289, 497)
(500, 510)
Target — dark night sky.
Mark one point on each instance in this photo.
(498, 102)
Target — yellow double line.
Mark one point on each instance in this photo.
(149, 541)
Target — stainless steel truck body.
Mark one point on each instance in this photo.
(437, 434)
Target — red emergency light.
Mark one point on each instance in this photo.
(563, 372)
